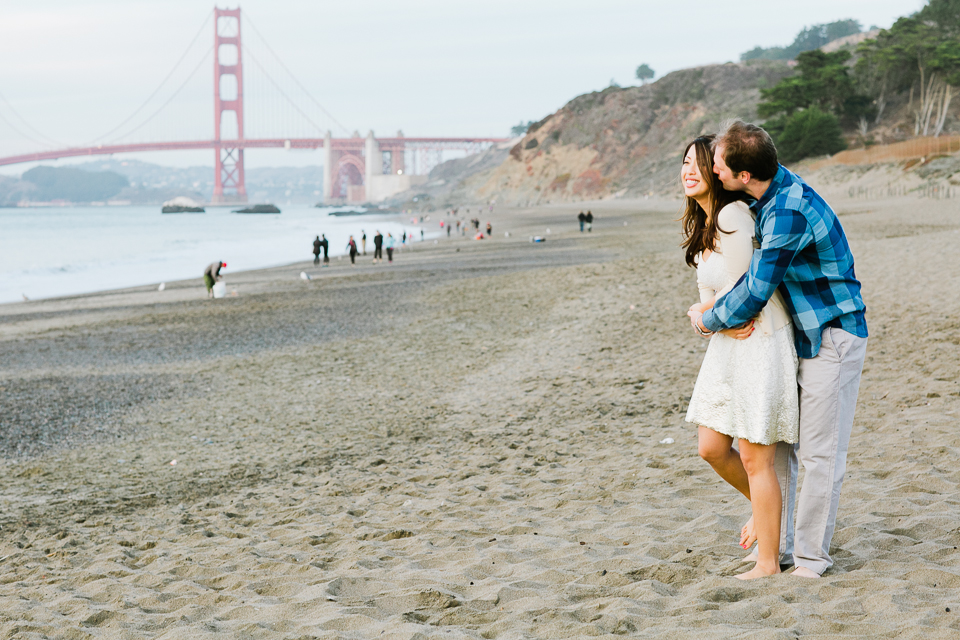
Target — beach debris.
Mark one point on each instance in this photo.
(632, 307)
(537, 239)
(173, 463)
(621, 286)
(548, 231)
(667, 441)
(436, 242)
(582, 543)
(163, 285)
(506, 234)
(624, 224)
(305, 276)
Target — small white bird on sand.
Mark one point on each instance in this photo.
(305, 276)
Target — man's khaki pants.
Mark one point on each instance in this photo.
(828, 400)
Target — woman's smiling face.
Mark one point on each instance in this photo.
(694, 184)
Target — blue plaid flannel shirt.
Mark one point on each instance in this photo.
(803, 253)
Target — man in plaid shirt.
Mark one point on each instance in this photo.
(803, 253)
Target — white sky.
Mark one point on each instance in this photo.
(75, 69)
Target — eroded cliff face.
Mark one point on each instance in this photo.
(620, 141)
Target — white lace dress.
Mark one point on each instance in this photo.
(746, 389)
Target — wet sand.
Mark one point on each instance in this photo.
(466, 444)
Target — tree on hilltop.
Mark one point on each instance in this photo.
(520, 129)
(811, 132)
(823, 80)
(805, 109)
(645, 73)
(919, 54)
(809, 38)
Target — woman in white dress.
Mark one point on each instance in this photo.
(747, 387)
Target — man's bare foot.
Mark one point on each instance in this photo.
(759, 572)
(748, 535)
(803, 572)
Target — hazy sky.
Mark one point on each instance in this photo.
(75, 69)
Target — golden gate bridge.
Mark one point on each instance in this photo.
(355, 169)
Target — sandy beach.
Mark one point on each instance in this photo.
(470, 443)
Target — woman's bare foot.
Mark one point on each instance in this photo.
(803, 572)
(751, 557)
(748, 535)
(759, 572)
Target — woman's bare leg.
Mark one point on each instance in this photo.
(717, 449)
(767, 504)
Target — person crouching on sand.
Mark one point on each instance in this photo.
(211, 275)
(747, 386)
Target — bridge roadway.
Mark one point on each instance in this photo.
(338, 144)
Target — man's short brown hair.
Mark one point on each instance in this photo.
(747, 147)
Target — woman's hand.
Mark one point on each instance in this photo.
(740, 333)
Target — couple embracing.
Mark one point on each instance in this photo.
(782, 308)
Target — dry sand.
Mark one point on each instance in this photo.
(464, 445)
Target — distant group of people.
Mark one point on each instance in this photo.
(586, 219)
(321, 244)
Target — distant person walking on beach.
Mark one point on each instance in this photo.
(378, 247)
(352, 248)
(363, 241)
(388, 245)
(582, 218)
(316, 251)
(325, 245)
(804, 255)
(211, 275)
(489, 230)
(589, 220)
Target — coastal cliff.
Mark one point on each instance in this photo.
(619, 141)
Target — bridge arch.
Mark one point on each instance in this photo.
(350, 172)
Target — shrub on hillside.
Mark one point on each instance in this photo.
(806, 133)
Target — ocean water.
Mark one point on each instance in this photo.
(56, 251)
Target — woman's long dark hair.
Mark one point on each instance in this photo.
(699, 229)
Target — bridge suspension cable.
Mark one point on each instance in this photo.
(290, 73)
(186, 51)
(50, 141)
(293, 104)
(169, 100)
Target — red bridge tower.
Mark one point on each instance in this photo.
(228, 61)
